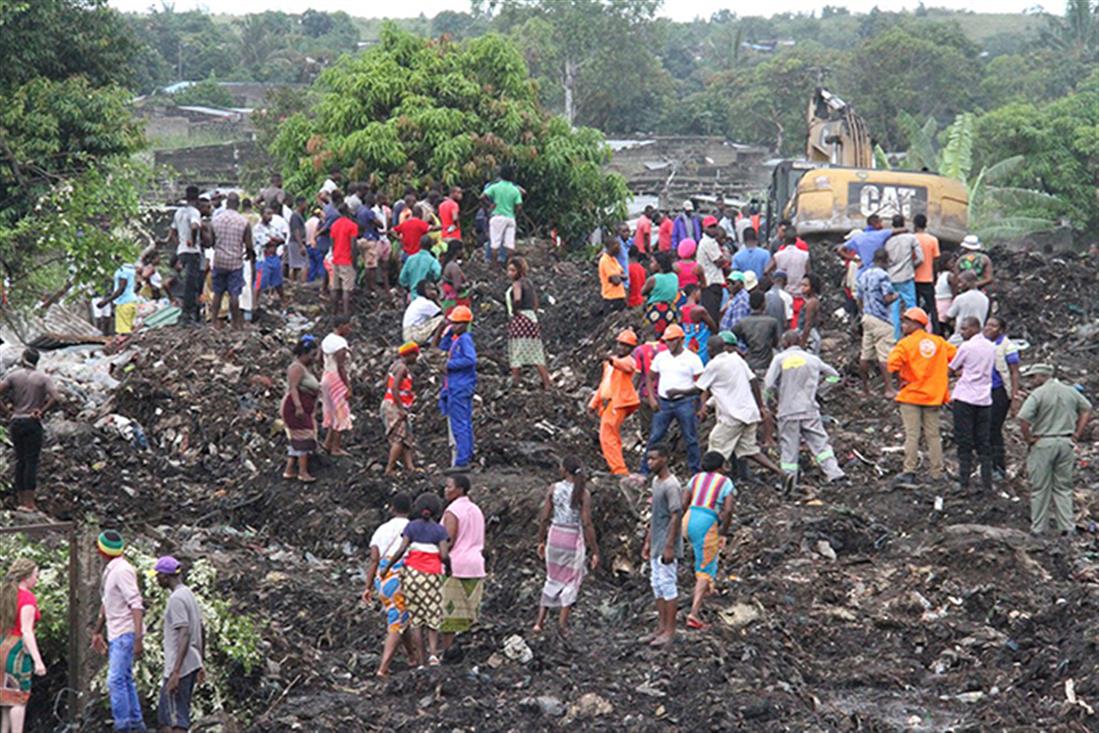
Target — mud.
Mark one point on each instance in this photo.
(857, 607)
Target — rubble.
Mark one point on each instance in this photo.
(859, 606)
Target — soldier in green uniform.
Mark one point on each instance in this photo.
(1053, 416)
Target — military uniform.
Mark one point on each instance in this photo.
(1052, 411)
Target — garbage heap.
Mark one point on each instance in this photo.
(860, 606)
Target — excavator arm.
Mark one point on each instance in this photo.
(837, 136)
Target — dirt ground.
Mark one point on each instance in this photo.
(859, 607)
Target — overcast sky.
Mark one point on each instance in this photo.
(677, 9)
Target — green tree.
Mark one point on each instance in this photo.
(412, 111)
(67, 189)
(206, 92)
(584, 33)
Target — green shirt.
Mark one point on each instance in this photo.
(1052, 409)
(420, 266)
(665, 288)
(506, 196)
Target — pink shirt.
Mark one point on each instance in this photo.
(466, 558)
(120, 597)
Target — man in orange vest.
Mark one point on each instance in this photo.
(616, 399)
(921, 361)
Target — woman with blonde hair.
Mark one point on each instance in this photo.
(19, 649)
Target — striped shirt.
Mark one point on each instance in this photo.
(229, 231)
(709, 489)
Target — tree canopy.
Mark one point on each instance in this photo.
(415, 112)
(67, 186)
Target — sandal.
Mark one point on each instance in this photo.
(433, 661)
(290, 476)
(694, 623)
(307, 479)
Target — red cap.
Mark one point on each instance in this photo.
(709, 221)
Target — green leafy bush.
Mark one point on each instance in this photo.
(415, 112)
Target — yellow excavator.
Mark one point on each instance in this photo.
(836, 186)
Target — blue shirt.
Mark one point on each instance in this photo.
(866, 244)
(461, 364)
(368, 223)
(623, 258)
(1011, 357)
(129, 274)
(739, 308)
(874, 285)
(752, 258)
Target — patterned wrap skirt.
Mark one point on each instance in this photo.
(661, 315)
(461, 603)
(301, 432)
(566, 556)
(423, 597)
(525, 340)
(398, 428)
(337, 408)
(387, 583)
(701, 527)
(15, 688)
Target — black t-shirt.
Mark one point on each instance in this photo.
(761, 333)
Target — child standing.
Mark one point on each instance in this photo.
(427, 544)
(269, 276)
(664, 544)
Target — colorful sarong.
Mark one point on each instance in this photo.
(661, 315)
(387, 583)
(423, 597)
(525, 340)
(461, 603)
(566, 555)
(397, 428)
(337, 408)
(301, 432)
(701, 527)
(15, 687)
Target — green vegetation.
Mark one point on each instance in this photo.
(67, 186)
(416, 112)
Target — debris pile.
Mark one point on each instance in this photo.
(859, 606)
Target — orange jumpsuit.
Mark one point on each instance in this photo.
(615, 400)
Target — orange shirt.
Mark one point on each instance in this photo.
(925, 272)
(608, 267)
(921, 360)
(616, 388)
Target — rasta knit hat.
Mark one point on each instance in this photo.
(409, 347)
(110, 543)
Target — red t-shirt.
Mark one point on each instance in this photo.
(637, 281)
(26, 598)
(448, 215)
(664, 234)
(411, 230)
(343, 233)
(643, 239)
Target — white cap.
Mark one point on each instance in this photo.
(971, 242)
(750, 280)
(688, 205)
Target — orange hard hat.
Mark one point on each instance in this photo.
(461, 314)
(627, 337)
(919, 315)
(673, 332)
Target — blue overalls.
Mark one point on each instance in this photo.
(456, 397)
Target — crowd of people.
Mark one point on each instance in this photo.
(719, 323)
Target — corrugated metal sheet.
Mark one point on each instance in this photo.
(62, 324)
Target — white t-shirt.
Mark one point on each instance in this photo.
(330, 346)
(709, 252)
(184, 219)
(729, 379)
(387, 538)
(676, 372)
(419, 311)
(970, 303)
